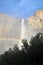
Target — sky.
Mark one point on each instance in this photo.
(20, 8)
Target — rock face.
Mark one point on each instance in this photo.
(10, 29)
(35, 24)
(36, 21)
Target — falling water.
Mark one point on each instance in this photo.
(22, 29)
(22, 32)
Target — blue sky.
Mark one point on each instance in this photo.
(20, 8)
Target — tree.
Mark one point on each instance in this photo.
(36, 50)
(25, 44)
(32, 56)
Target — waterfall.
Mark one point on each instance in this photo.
(22, 33)
(22, 29)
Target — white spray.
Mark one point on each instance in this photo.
(22, 31)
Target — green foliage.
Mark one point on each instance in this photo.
(29, 55)
(25, 44)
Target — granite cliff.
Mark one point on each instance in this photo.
(10, 29)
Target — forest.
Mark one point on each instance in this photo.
(29, 54)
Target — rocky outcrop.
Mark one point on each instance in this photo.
(10, 29)
(36, 21)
